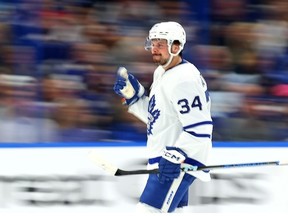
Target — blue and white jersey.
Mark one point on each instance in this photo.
(177, 113)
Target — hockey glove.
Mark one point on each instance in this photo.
(128, 87)
(170, 164)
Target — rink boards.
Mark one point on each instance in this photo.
(61, 178)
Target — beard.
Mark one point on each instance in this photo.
(157, 59)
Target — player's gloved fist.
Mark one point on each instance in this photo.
(128, 87)
(170, 164)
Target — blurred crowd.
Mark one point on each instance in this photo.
(58, 62)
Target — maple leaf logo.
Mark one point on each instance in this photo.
(153, 115)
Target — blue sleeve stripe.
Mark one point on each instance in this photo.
(198, 124)
(199, 135)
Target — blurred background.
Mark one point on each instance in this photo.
(58, 62)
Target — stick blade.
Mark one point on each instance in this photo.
(96, 158)
(283, 163)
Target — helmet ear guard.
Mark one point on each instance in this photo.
(179, 50)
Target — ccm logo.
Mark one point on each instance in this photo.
(173, 156)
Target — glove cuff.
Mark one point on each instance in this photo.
(174, 155)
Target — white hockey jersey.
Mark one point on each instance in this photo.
(177, 113)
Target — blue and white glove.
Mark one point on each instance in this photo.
(170, 164)
(128, 87)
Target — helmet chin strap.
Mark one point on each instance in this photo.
(168, 62)
(171, 57)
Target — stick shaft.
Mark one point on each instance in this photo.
(110, 168)
(188, 169)
(225, 166)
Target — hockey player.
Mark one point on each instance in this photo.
(177, 114)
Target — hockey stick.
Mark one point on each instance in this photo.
(115, 171)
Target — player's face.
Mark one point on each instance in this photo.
(159, 50)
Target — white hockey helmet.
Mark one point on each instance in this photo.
(171, 31)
